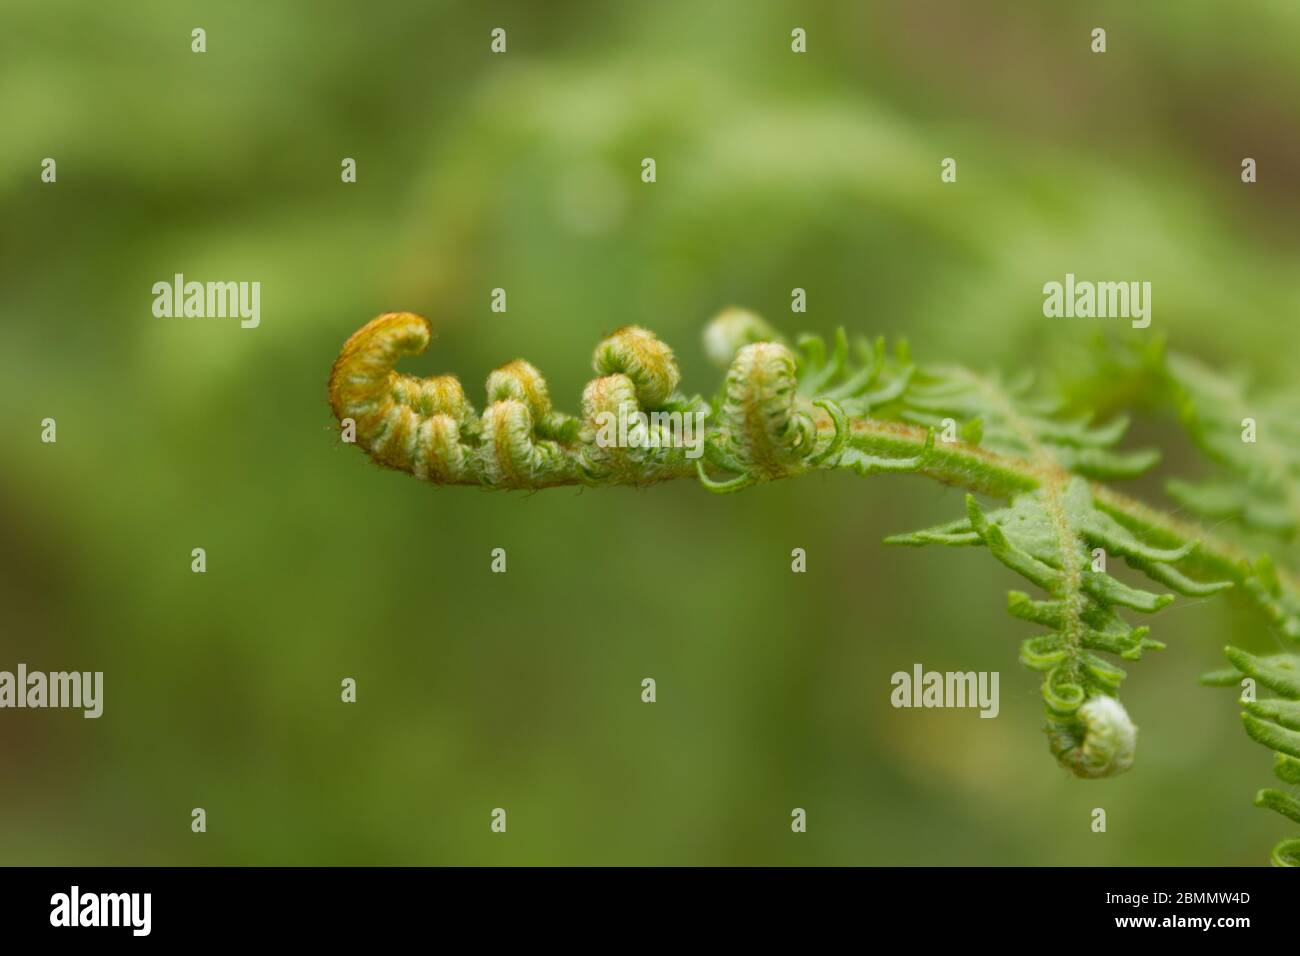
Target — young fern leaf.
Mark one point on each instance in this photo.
(1048, 536)
(1275, 723)
(1263, 487)
(1257, 486)
(1255, 440)
(1007, 419)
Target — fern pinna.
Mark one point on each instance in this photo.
(785, 409)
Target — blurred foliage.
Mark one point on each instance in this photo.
(521, 171)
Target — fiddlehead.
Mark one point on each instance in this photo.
(428, 428)
(1097, 740)
(766, 430)
(647, 362)
(731, 330)
(415, 425)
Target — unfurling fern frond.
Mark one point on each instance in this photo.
(1049, 536)
(785, 410)
(1275, 723)
(428, 428)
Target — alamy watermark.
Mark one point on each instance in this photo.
(72, 689)
(75, 908)
(636, 429)
(922, 688)
(213, 300)
(1102, 300)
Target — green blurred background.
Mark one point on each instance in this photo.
(475, 171)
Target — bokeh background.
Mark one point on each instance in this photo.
(521, 171)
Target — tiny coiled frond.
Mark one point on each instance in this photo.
(428, 428)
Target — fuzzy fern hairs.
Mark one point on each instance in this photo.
(786, 409)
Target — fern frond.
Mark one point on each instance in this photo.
(1274, 591)
(1261, 486)
(1275, 723)
(1049, 537)
(1007, 418)
(856, 406)
(1262, 489)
